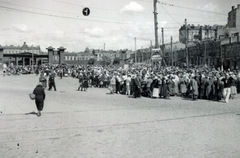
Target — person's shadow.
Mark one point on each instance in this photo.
(31, 113)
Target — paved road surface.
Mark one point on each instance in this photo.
(96, 124)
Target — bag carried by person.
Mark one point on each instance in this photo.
(32, 96)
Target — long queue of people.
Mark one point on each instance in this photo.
(137, 81)
(204, 84)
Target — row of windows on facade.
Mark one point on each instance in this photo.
(86, 57)
(76, 58)
(20, 51)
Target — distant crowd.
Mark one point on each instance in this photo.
(137, 81)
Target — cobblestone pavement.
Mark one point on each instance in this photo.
(97, 124)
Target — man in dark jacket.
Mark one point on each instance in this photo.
(40, 97)
(52, 82)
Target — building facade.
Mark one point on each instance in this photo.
(200, 33)
(21, 55)
(233, 17)
(214, 46)
(21, 49)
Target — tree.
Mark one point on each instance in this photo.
(87, 50)
(94, 53)
(116, 60)
(91, 61)
(106, 60)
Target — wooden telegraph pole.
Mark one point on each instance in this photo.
(171, 51)
(135, 50)
(155, 23)
(186, 43)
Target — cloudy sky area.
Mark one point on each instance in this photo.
(113, 22)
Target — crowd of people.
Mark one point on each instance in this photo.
(17, 70)
(137, 81)
(164, 82)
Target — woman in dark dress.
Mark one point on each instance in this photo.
(164, 90)
(40, 97)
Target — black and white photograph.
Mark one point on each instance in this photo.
(119, 79)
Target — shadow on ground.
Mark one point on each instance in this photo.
(31, 113)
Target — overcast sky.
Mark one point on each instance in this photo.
(113, 22)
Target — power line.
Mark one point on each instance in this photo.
(46, 9)
(170, 15)
(96, 7)
(172, 5)
(58, 16)
(80, 6)
(35, 7)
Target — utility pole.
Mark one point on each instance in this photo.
(155, 23)
(186, 43)
(104, 46)
(205, 52)
(163, 47)
(135, 51)
(151, 52)
(171, 51)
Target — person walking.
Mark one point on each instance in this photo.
(52, 82)
(61, 73)
(43, 80)
(40, 97)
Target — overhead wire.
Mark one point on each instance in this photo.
(72, 18)
(47, 9)
(74, 14)
(65, 17)
(172, 5)
(74, 4)
(170, 15)
(34, 7)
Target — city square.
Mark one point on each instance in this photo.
(119, 79)
(98, 124)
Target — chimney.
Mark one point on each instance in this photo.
(233, 7)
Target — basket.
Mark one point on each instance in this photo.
(32, 96)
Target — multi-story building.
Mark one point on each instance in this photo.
(83, 57)
(21, 49)
(200, 33)
(21, 54)
(233, 17)
(125, 55)
(171, 54)
(214, 46)
(108, 53)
